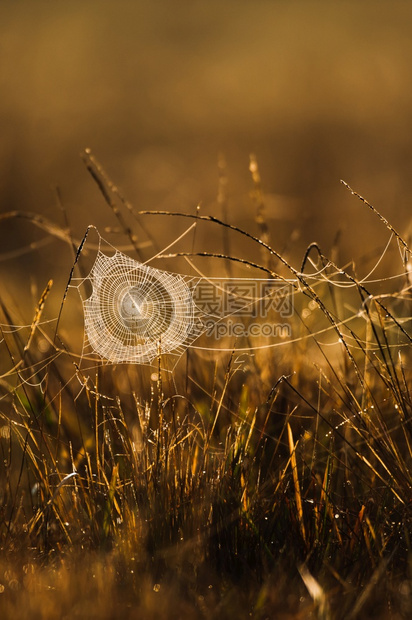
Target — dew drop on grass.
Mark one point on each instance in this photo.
(43, 346)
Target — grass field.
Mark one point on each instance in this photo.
(268, 483)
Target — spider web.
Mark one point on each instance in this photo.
(136, 312)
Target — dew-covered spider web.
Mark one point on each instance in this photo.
(136, 312)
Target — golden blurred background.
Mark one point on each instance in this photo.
(318, 91)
